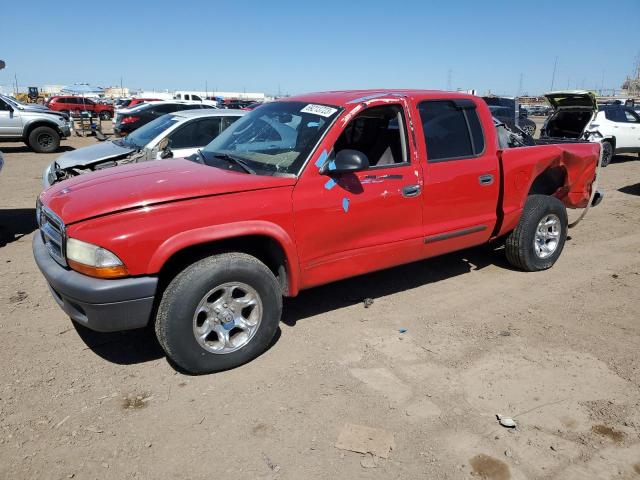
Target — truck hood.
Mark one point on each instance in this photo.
(94, 153)
(577, 99)
(116, 189)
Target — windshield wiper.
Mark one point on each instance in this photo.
(236, 160)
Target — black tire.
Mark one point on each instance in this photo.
(607, 153)
(520, 245)
(529, 129)
(105, 115)
(44, 140)
(175, 318)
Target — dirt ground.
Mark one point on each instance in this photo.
(557, 351)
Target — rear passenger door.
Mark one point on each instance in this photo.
(461, 176)
(630, 139)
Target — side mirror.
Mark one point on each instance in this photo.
(165, 148)
(346, 161)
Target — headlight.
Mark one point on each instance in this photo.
(93, 260)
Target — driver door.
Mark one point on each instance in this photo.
(10, 121)
(353, 223)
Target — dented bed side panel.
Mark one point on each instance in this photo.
(521, 166)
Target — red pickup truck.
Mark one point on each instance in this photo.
(299, 193)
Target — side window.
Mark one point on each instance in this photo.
(632, 117)
(226, 121)
(195, 97)
(189, 106)
(451, 131)
(4, 106)
(162, 109)
(379, 133)
(615, 114)
(197, 133)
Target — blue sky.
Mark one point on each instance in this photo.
(298, 46)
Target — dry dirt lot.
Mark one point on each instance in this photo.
(556, 350)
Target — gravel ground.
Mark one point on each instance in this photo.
(556, 350)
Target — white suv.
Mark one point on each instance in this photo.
(577, 116)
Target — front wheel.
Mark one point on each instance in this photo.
(44, 140)
(219, 313)
(538, 240)
(105, 115)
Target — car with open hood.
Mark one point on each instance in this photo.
(297, 193)
(178, 134)
(576, 115)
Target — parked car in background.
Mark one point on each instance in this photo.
(129, 120)
(539, 110)
(295, 194)
(507, 110)
(251, 106)
(577, 116)
(68, 104)
(38, 127)
(173, 135)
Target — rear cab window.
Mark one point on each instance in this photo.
(452, 129)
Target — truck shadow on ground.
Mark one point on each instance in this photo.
(139, 346)
(15, 223)
(387, 282)
(631, 189)
(623, 158)
(25, 149)
(134, 346)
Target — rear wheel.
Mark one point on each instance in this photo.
(105, 115)
(44, 140)
(529, 129)
(219, 313)
(607, 153)
(538, 240)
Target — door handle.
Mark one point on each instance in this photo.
(411, 190)
(485, 180)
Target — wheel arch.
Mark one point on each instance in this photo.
(548, 181)
(271, 245)
(31, 126)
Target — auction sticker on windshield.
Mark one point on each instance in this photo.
(321, 110)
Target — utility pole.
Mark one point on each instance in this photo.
(121, 89)
(520, 86)
(602, 84)
(449, 80)
(206, 89)
(16, 79)
(553, 77)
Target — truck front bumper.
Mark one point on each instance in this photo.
(101, 305)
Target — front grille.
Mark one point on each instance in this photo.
(53, 234)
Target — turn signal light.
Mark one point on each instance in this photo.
(99, 272)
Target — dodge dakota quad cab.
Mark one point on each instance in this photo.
(299, 193)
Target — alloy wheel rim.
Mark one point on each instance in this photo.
(227, 317)
(547, 237)
(45, 140)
